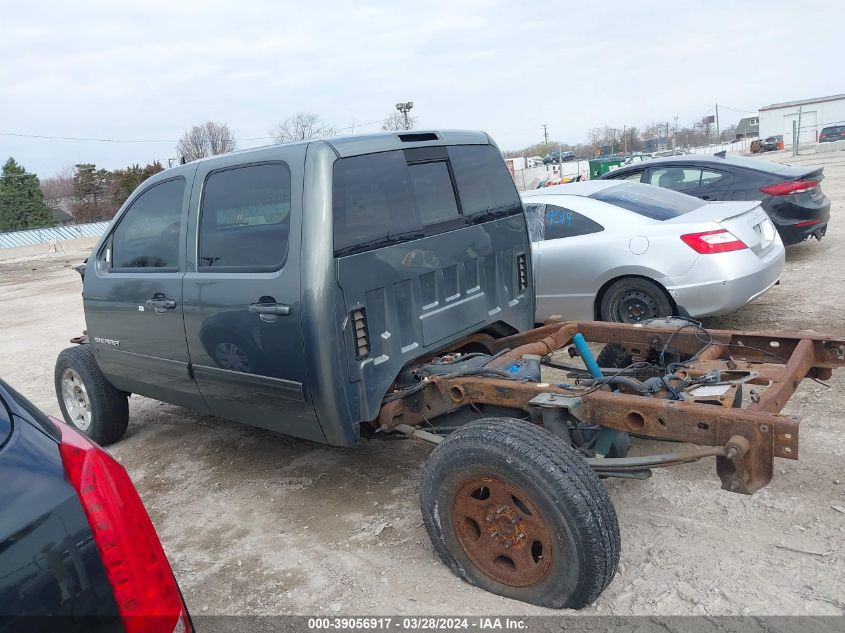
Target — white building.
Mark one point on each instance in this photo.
(814, 114)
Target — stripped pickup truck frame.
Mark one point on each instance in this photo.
(744, 441)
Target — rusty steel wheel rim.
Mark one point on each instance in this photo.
(502, 532)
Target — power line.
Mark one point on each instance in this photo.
(79, 138)
(172, 141)
(737, 109)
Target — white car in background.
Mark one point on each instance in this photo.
(625, 251)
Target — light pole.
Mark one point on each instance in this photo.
(405, 108)
(674, 134)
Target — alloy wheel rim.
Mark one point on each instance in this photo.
(76, 400)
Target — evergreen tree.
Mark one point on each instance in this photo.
(91, 198)
(21, 200)
(125, 181)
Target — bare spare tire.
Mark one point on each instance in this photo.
(515, 510)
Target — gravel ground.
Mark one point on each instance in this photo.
(258, 523)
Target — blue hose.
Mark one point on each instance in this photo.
(587, 356)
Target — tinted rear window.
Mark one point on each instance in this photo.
(652, 202)
(380, 199)
(484, 183)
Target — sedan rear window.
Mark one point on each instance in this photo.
(652, 202)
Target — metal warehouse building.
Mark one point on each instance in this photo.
(814, 114)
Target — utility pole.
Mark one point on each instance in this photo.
(546, 135)
(718, 133)
(560, 158)
(624, 141)
(674, 134)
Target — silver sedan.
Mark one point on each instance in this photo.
(626, 251)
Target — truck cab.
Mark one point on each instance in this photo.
(287, 286)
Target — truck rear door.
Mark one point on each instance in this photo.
(242, 292)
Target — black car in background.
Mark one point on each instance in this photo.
(558, 157)
(78, 551)
(832, 133)
(771, 143)
(790, 194)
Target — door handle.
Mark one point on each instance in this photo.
(272, 309)
(160, 303)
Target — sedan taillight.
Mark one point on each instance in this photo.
(719, 241)
(140, 576)
(789, 187)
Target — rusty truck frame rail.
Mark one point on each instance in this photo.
(744, 441)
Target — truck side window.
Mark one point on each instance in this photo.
(561, 222)
(148, 233)
(245, 219)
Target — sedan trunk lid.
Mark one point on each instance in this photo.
(747, 220)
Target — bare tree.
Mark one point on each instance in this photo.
(58, 189)
(208, 139)
(396, 122)
(301, 127)
(631, 139)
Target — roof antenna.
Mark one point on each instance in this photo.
(182, 161)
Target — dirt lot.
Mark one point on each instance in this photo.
(257, 523)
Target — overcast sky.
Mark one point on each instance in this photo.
(149, 70)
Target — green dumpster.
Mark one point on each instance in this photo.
(600, 166)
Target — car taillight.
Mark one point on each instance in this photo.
(719, 241)
(789, 187)
(140, 576)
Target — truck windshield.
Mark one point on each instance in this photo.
(390, 197)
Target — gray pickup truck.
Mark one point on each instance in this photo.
(382, 284)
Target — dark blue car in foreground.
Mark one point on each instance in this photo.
(78, 551)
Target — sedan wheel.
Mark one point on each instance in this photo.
(634, 300)
(635, 306)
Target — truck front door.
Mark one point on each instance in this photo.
(242, 294)
(133, 296)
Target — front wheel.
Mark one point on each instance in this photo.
(633, 300)
(516, 511)
(87, 399)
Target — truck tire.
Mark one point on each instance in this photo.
(88, 401)
(513, 509)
